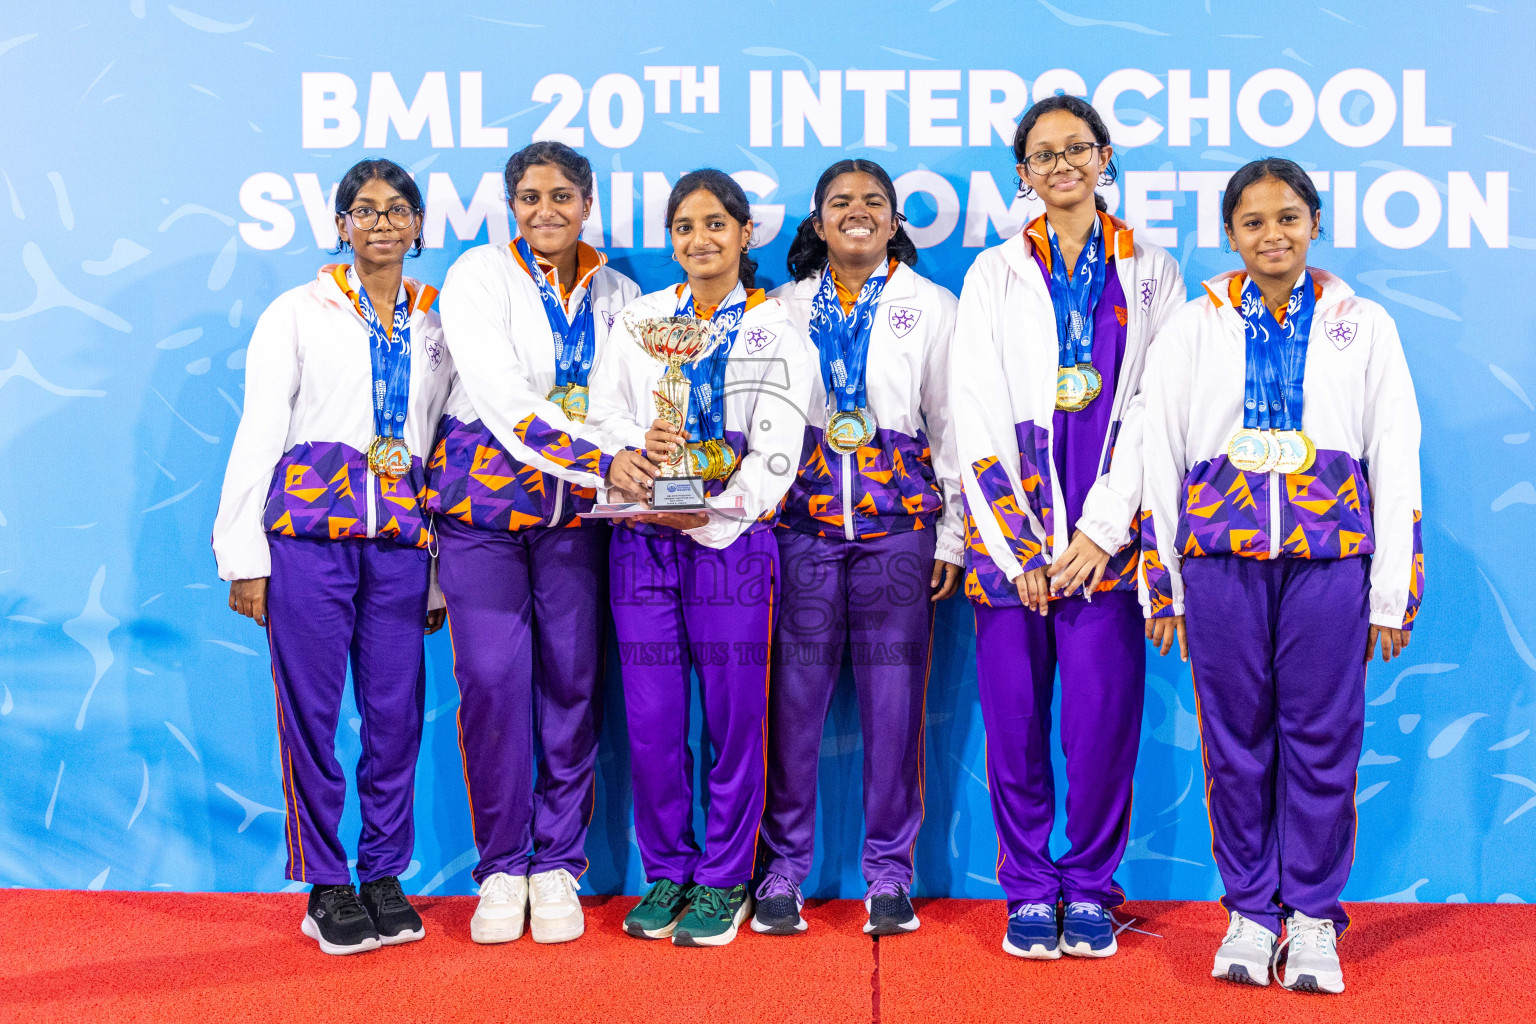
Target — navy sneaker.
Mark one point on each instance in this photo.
(778, 907)
(890, 909)
(1032, 932)
(1088, 930)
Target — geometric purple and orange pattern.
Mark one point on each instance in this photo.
(995, 487)
(319, 490)
(1035, 471)
(472, 478)
(1225, 511)
(1416, 585)
(561, 448)
(893, 487)
(1327, 510)
(984, 581)
(1154, 573)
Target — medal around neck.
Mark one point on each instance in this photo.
(849, 430)
(1253, 451)
(676, 341)
(389, 457)
(1077, 387)
(1296, 452)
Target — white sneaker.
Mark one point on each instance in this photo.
(502, 910)
(554, 912)
(1245, 953)
(1312, 955)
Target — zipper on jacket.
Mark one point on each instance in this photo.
(554, 520)
(373, 519)
(1276, 481)
(847, 497)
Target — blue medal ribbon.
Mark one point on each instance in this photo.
(843, 340)
(706, 378)
(391, 358)
(1075, 298)
(575, 337)
(1276, 356)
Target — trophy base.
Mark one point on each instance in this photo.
(678, 494)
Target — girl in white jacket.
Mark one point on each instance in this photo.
(697, 590)
(322, 533)
(870, 538)
(1281, 453)
(1051, 337)
(524, 578)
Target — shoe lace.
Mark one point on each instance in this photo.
(1303, 932)
(554, 886)
(777, 885)
(1240, 929)
(664, 891)
(342, 904)
(388, 893)
(1089, 909)
(1035, 910)
(885, 887)
(709, 901)
(498, 888)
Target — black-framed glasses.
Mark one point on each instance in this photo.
(399, 215)
(1076, 155)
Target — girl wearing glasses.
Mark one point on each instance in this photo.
(871, 537)
(524, 578)
(1281, 445)
(692, 590)
(322, 533)
(1052, 332)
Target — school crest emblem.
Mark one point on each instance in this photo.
(902, 319)
(434, 353)
(608, 318)
(1341, 332)
(758, 339)
(1148, 289)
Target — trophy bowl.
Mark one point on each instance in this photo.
(676, 341)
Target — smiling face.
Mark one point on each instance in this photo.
(384, 243)
(1272, 230)
(707, 240)
(550, 210)
(856, 219)
(1064, 186)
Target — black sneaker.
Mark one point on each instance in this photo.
(393, 915)
(778, 907)
(339, 922)
(890, 911)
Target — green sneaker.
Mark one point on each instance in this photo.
(658, 912)
(713, 916)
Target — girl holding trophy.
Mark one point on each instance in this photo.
(321, 532)
(699, 589)
(870, 538)
(1281, 446)
(1052, 332)
(525, 578)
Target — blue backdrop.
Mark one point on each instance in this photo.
(166, 172)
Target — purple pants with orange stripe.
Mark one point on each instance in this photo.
(679, 607)
(1276, 648)
(329, 601)
(1101, 652)
(869, 598)
(525, 614)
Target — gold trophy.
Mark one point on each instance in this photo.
(677, 341)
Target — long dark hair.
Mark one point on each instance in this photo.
(724, 188)
(391, 174)
(1084, 112)
(1286, 171)
(808, 252)
(576, 168)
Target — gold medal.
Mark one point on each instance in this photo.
(1073, 389)
(557, 394)
(712, 460)
(1095, 381)
(850, 430)
(575, 402)
(1253, 451)
(389, 457)
(1296, 451)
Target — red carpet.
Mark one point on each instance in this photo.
(70, 956)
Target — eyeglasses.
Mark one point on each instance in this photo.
(366, 217)
(1077, 155)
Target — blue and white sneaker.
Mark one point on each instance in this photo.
(1088, 930)
(778, 907)
(1032, 932)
